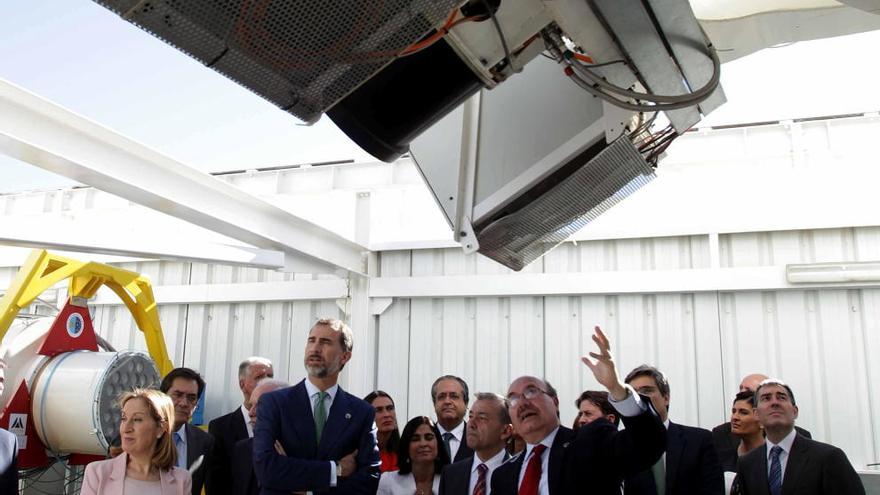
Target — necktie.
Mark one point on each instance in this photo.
(775, 471)
(659, 472)
(320, 415)
(532, 478)
(480, 487)
(178, 444)
(446, 438)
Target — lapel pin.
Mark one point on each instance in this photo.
(565, 445)
(347, 415)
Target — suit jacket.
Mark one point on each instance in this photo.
(244, 481)
(286, 415)
(198, 443)
(726, 445)
(227, 430)
(692, 466)
(464, 451)
(108, 477)
(813, 468)
(8, 462)
(456, 477)
(596, 458)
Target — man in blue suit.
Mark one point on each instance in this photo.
(317, 425)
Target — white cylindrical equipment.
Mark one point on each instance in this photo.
(75, 397)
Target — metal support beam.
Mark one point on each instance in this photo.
(295, 290)
(60, 233)
(46, 135)
(618, 282)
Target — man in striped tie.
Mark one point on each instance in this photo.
(488, 429)
(593, 460)
(790, 463)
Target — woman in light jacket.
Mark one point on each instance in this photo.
(420, 457)
(146, 462)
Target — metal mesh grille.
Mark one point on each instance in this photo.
(129, 371)
(302, 55)
(519, 238)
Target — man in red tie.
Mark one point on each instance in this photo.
(593, 460)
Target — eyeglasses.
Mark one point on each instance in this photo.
(190, 398)
(530, 393)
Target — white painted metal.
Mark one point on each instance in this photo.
(92, 235)
(39, 132)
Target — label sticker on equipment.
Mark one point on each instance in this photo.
(75, 325)
(17, 423)
(17, 426)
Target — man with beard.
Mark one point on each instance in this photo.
(317, 425)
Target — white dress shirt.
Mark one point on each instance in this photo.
(455, 441)
(313, 391)
(785, 443)
(492, 464)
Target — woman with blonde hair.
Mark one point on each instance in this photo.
(145, 465)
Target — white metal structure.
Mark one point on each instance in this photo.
(705, 298)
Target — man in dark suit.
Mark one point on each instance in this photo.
(789, 463)
(317, 424)
(450, 396)
(488, 430)
(243, 479)
(195, 447)
(228, 429)
(8, 450)
(690, 465)
(726, 443)
(597, 457)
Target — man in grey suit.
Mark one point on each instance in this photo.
(195, 447)
(8, 451)
(488, 429)
(790, 463)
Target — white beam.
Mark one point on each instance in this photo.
(41, 133)
(59, 233)
(295, 290)
(618, 282)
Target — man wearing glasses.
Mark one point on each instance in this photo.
(597, 457)
(185, 387)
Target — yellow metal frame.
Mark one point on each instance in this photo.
(43, 270)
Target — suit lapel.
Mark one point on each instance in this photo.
(193, 446)
(675, 445)
(338, 420)
(763, 481)
(239, 427)
(300, 406)
(557, 457)
(797, 458)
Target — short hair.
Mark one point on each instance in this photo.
(650, 371)
(394, 438)
(773, 381)
(346, 337)
(247, 363)
(403, 460)
(746, 395)
(600, 400)
(162, 410)
(185, 373)
(499, 401)
(464, 388)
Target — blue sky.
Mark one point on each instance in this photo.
(85, 58)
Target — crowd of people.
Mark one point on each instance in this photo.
(315, 437)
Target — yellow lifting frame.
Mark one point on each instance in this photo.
(43, 270)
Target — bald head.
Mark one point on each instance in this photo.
(751, 382)
(264, 386)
